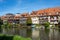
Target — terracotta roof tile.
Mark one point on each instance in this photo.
(25, 15)
(48, 11)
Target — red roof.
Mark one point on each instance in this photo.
(48, 11)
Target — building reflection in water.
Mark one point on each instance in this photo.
(34, 33)
(25, 32)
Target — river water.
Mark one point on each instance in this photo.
(34, 33)
(46, 34)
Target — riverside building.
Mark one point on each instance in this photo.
(51, 15)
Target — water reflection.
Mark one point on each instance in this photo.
(25, 32)
(48, 34)
(44, 34)
(34, 33)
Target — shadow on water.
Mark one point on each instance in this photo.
(44, 34)
(24, 32)
(59, 30)
(4, 37)
(47, 31)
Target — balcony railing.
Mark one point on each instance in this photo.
(53, 22)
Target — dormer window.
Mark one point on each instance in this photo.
(57, 13)
(41, 14)
(49, 13)
(45, 13)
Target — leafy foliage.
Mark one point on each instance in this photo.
(38, 25)
(6, 25)
(47, 24)
(9, 37)
(20, 38)
(29, 21)
(1, 22)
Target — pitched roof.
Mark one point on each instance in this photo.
(48, 11)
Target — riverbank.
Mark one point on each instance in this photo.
(11, 37)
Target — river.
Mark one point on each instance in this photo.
(34, 33)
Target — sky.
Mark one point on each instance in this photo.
(21, 6)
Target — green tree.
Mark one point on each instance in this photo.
(16, 25)
(29, 21)
(1, 22)
(7, 25)
(47, 24)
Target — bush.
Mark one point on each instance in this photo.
(37, 25)
(29, 21)
(47, 24)
(9, 37)
(20, 38)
